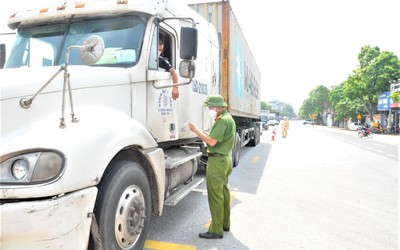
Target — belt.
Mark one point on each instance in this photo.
(215, 155)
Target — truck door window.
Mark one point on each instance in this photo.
(153, 59)
(167, 52)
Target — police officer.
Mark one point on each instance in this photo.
(285, 127)
(220, 143)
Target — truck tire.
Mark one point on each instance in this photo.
(258, 135)
(236, 151)
(256, 139)
(123, 207)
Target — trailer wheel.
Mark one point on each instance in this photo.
(236, 151)
(254, 141)
(258, 135)
(123, 207)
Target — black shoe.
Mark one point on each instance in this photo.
(226, 229)
(207, 235)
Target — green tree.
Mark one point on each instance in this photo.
(288, 111)
(336, 97)
(395, 96)
(320, 99)
(352, 100)
(317, 102)
(373, 76)
(265, 106)
(359, 93)
(306, 109)
(343, 107)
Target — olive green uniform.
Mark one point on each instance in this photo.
(218, 171)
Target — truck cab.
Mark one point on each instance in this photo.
(89, 127)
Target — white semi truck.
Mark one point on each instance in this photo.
(92, 142)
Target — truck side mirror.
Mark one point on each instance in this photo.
(2, 55)
(92, 49)
(188, 43)
(187, 69)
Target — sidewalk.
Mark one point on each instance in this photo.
(390, 139)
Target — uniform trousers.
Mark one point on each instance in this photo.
(217, 176)
(284, 131)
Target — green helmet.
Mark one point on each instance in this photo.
(215, 101)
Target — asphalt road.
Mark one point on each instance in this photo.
(321, 188)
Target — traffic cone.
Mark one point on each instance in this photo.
(273, 134)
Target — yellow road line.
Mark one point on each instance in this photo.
(255, 159)
(159, 245)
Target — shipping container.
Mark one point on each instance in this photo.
(239, 78)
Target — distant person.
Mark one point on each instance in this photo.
(364, 128)
(219, 142)
(165, 64)
(379, 126)
(285, 127)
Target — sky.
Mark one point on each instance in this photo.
(299, 45)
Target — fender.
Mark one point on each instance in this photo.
(81, 143)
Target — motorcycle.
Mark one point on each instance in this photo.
(365, 132)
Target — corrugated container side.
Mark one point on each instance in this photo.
(240, 78)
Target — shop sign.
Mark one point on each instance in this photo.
(383, 101)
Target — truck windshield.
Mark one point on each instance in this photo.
(46, 45)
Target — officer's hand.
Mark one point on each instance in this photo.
(192, 126)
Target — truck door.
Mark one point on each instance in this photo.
(162, 118)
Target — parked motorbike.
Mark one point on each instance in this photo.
(365, 132)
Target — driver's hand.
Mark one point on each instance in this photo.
(175, 93)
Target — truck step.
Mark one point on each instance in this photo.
(182, 192)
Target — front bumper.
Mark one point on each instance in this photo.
(57, 223)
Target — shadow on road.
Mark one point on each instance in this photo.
(186, 220)
(247, 175)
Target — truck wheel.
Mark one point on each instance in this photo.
(258, 135)
(123, 207)
(254, 141)
(236, 151)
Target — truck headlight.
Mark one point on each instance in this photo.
(31, 167)
(19, 169)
